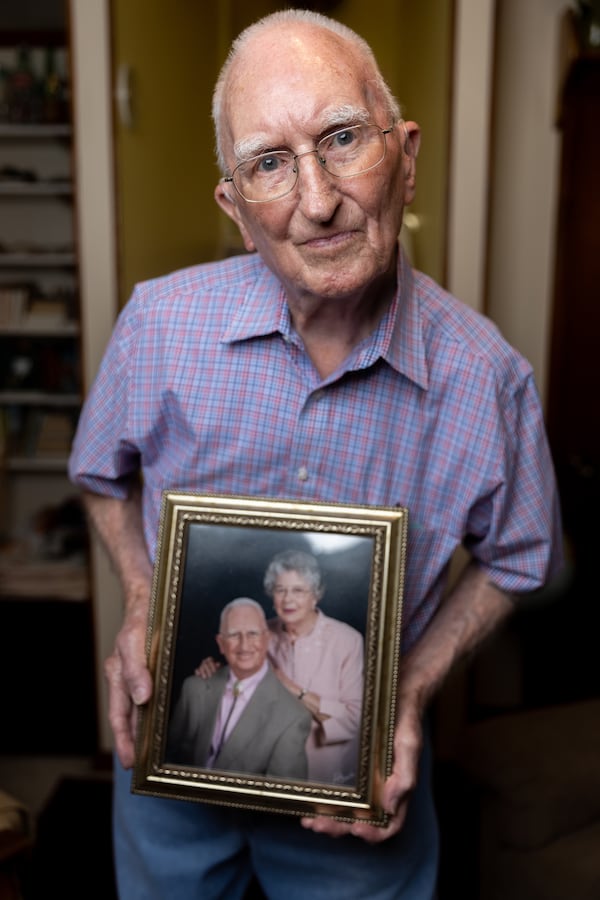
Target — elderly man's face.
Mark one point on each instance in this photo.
(330, 237)
(244, 641)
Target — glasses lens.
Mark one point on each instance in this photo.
(236, 636)
(295, 591)
(351, 151)
(266, 177)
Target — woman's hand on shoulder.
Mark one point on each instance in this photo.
(207, 667)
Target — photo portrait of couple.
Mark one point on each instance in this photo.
(281, 694)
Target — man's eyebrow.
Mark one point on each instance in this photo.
(333, 118)
(251, 146)
(338, 116)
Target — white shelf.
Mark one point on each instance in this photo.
(36, 189)
(38, 398)
(37, 260)
(40, 329)
(38, 464)
(35, 132)
(44, 580)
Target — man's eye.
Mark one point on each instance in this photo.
(267, 165)
(343, 139)
(339, 140)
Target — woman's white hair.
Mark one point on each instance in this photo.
(379, 88)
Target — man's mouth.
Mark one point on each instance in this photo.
(328, 241)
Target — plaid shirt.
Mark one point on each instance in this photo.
(206, 387)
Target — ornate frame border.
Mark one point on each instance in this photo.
(386, 529)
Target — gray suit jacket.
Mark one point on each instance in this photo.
(268, 739)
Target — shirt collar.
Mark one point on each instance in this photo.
(246, 684)
(263, 310)
(398, 338)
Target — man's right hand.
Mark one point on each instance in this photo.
(129, 681)
(118, 523)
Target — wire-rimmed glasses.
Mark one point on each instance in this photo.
(252, 636)
(295, 591)
(343, 153)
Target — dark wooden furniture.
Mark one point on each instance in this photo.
(574, 384)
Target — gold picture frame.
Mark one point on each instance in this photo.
(212, 548)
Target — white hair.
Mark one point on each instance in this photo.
(234, 604)
(379, 86)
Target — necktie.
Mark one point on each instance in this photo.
(236, 693)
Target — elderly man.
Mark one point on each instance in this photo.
(320, 367)
(242, 719)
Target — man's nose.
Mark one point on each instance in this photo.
(310, 169)
(316, 187)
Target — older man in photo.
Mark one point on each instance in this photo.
(242, 719)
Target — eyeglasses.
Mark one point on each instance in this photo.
(344, 153)
(237, 636)
(294, 591)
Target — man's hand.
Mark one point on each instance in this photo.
(396, 791)
(118, 523)
(471, 611)
(129, 681)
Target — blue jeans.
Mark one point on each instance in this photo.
(178, 850)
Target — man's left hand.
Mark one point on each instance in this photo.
(396, 793)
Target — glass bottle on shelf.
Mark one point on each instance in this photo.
(52, 89)
(4, 93)
(21, 88)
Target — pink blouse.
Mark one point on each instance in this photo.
(328, 661)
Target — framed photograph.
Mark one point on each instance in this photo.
(273, 643)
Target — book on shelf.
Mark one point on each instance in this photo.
(13, 305)
(48, 313)
(23, 305)
(48, 434)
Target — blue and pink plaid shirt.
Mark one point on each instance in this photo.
(206, 387)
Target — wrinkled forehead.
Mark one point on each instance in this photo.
(298, 73)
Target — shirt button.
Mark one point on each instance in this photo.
(302, 473)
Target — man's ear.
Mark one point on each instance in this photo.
(229, 204)
(411, 141)
(220, 643)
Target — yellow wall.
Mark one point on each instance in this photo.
(413, 43)
(424, 79)
(165, 163)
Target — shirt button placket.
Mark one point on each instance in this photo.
(313, 422)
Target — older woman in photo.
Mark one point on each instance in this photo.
(319, 660)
